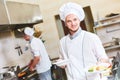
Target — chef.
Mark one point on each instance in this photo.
(40, 61)
(82, 48)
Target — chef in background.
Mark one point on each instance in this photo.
(40, 61)
(80, 47)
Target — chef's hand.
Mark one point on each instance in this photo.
(63, 67)
(31, 68)
(102, 61)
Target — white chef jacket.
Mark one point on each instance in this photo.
(38, 49)
(84, 50)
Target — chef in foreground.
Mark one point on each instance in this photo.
(81, 48)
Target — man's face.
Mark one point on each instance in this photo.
(72, 22)
(26, 37)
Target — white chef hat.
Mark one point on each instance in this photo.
(71, 8)
(29, 31)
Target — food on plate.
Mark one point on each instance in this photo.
(99, 68)
(91, 69)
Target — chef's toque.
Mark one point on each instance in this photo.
(29, 31)
(71, 8)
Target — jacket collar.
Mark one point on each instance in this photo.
(75, 34)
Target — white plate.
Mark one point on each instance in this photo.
(106, 65)
(62, 62)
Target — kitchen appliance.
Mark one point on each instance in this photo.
(24, 74)
(8, 73)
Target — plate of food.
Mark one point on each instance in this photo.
(62, 62)
(102, 67)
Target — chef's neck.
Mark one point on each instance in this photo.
(76, 33)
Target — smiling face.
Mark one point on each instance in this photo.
(72, 22)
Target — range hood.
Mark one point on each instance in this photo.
(15, 15)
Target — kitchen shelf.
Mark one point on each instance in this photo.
(108, 18)
(106, 24)
(112, 47)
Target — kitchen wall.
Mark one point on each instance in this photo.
(49, 9)
(9, 56)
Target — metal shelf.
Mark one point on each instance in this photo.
(107, 24)
(112, 47)
(108, 18)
